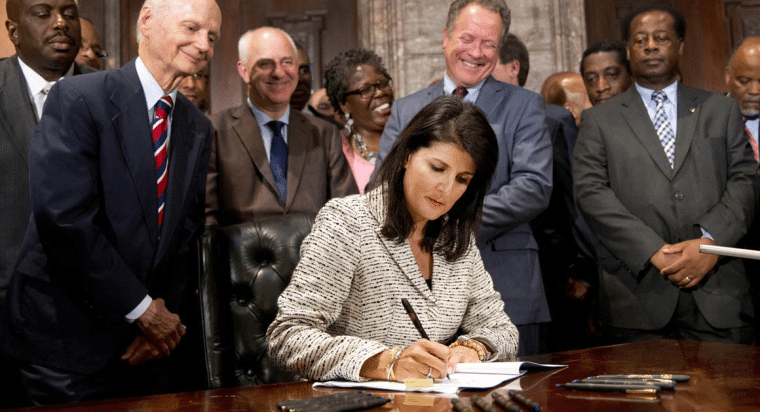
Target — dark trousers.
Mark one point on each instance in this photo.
(687, 323)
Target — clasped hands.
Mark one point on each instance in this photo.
(161, 332)
(683, 264)
(419, 359)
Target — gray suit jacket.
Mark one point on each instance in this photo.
(343, 304)
(17, 121)
(240, 185)
(635, 203)
(519, 191)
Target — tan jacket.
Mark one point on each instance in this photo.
(240, 185)
(343, 304)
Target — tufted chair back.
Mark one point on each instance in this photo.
(244, 268)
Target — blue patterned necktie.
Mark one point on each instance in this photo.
(662, 126)
(278, 159)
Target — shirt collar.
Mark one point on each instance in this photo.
(671, 91)
(263, 118)
(153, 92)
(449, 86)
(35, 82)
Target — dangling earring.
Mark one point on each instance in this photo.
(349, 123)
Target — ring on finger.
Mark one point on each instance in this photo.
(688, 279)
(430, 373)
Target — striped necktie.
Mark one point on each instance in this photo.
(662, 126)
(160, 141)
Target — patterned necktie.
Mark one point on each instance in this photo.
(278, 159)
(662, 126)
(39, 99)
(460, 92)
(752, 141)
(160, 141)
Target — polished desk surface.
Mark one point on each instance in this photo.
(723, 378)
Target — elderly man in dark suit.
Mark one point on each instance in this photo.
(267, 158)
(521, 185)
(117, 169)
(659, 170)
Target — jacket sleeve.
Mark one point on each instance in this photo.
(298, 338)
(526, 191)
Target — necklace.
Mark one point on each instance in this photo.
(363, 151)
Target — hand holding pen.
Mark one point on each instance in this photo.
(424, 353)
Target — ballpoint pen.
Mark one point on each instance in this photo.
(416, 321)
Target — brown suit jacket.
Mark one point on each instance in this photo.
(240, 185)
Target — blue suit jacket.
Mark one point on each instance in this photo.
(92, 250)
(519, 191)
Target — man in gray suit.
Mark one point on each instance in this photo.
(659, 170)
(521, 186)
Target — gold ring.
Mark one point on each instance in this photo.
(688, 279)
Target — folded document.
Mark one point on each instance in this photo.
(467, 376)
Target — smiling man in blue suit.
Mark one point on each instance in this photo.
(521, 186)
(117, 171)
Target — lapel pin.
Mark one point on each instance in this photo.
(692, 110)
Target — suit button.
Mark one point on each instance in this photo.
(679, 196)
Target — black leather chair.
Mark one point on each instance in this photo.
(244, 268)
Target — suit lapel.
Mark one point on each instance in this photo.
(688, 113)
(635, 114)
(299, 139)
(131, 125)
(247, 130)
(16, 108)
(487, 96)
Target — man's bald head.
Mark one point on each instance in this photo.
(566, 89)
(743, 76)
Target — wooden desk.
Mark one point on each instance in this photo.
(723, 378)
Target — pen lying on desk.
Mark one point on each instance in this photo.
(504, 402)
(524, 400)
(677, 378)
(606, 387)
(663, 384)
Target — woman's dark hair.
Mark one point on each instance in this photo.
(337, 71)
(446, 119)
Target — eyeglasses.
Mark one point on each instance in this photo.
(369, 90)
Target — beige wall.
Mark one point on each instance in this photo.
(6, 47)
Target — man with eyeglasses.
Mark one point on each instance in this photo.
(266, 157)
(91, 52)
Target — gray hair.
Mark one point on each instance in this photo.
(497, 6)
(244, 44)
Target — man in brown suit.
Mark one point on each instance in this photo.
(266, 158)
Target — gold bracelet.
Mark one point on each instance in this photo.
(395, 352)
(472, 344)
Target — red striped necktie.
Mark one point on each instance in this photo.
(160, 140)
